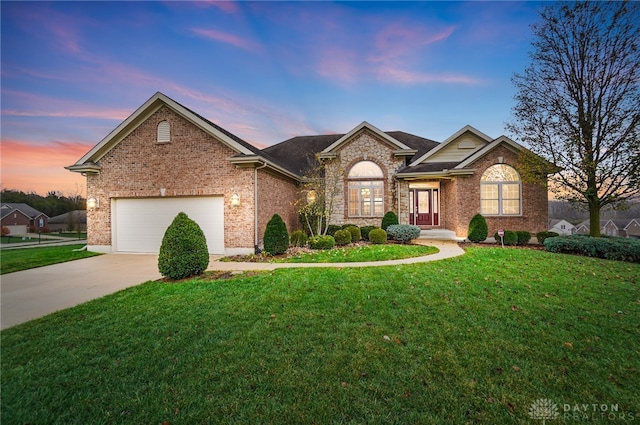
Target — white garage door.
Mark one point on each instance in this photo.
(17, 229)
(139, 224)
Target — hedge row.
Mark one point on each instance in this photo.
(620, 249)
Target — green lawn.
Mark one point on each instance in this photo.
(472, 339)
(13, 260)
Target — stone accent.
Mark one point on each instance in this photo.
(364, 146)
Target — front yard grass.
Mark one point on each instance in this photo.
(13, 260)
(472, 339)
(361, 253)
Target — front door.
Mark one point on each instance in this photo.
(424, 207)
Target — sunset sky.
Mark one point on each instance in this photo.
(266, 71)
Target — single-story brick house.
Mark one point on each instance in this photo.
(22, 218)
(165, 158)
(75, 221)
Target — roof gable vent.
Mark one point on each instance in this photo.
(466, 144)
(164, 132)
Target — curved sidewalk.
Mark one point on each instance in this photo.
(34, 293)
(447, 250)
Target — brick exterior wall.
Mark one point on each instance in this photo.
(276, 195)
(364, 146)
(194, 163)
(462, 200)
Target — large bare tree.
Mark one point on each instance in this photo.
(578, 102)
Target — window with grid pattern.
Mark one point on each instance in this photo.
(500, 191)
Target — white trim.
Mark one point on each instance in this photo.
(375, 130)
(450, 139)
(482, 152)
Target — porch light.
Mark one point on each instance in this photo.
(311, 197)
(93, 203)
(235, 200)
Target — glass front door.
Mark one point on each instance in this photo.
(424, 209)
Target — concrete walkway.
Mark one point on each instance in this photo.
(34, 293)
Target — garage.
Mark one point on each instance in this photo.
(139, 224)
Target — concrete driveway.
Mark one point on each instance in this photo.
(34, 293)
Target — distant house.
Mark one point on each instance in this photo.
(633, 228)
(22, 218)
(69, 221)
(561, 227)
(615, 228)
(583, 228)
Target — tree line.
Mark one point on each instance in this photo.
(53, 204)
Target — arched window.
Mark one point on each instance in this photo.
(164, 132)
(366, 190)
(500, 190)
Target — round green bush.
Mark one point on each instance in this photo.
(276, 237)
(356, 234)
(364, 231)
(298, 238)
(541, 236)
(523, 237)
(332, 229)
(389, 219)
(378, 236)
(342, 237)
(322, 242)
(510, 237)
(478, 230)
(183, 251)
(403, 232)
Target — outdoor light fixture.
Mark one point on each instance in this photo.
(92, 203)
(235, 200)
(311, 197)
(163, 191)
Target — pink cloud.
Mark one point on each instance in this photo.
(230, 7)
(30, 166)
(411, 77)
(227, 38)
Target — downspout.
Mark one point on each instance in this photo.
(255, 207)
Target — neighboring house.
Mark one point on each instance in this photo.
(615, 228)
(583, 228)
(632, 228)
(21, 218)
(561, 227)
(165, 158)
(75, 221)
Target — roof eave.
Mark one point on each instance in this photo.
(444, 174)
(87, 168)
(254, 161)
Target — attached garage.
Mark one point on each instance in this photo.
(138, 224)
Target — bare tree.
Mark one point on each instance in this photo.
(578, 103)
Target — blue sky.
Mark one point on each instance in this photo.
(266, 71)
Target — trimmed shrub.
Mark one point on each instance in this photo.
(332, 229)
(322, 242)
(523, 237)
(183, 251)
(364, 231)
(378, 236)
(356, 235)
(478, 230)
(620, 249)
(5, 231)
(403, 232)
(541, 236)
(344, 226)
(510, 237)
(342, 237)
(276, 237)
(389, 219)
(298, 238)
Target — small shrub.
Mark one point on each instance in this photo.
(298, 238)
(510, 237)
(378, 236)
(344, 226)
(5, 231)
(332, 229)
(364, 231)
(541, 236)
(389, 219)
(276, 237)
(478, 230)
(322, 242)
(183, 251)
(620, 249)
(342, 237)
(523, 237)
(356, 234)
(403, 232)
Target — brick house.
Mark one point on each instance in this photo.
(165, 158)
(21, 218)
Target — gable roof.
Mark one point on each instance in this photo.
(79, 216)
(450, 139)
(365, 125)
(25, 209)
(88, 162)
